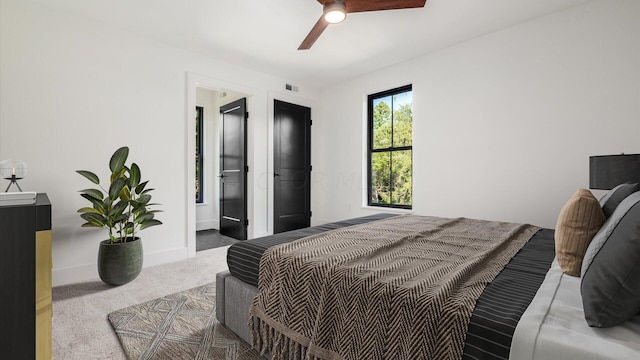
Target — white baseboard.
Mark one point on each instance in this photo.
(76, 274)
(207, 224)
(89, 272)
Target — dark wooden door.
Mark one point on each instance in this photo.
(292, 167)
(233, 170)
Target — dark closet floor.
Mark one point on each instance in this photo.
(209, 239)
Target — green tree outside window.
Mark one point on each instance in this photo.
(390, 148)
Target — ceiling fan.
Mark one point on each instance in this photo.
(336, 11)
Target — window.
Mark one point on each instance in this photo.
(389, 148)
(199, 164)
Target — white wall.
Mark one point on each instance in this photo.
(503, 124)
(74, 90)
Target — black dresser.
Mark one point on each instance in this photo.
(25, 280)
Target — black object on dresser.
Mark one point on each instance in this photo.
(25, 280)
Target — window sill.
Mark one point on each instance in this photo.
(383, 209)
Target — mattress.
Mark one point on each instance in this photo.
(243, 258)
(554, 327)
(497, 311)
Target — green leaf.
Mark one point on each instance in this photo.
(118, 159)
(149, 223)
(93, 218)
(138, 209)
(125, 195)
(91, 224)
(134, 176)
(97, 204)
(116, 188)
(89, 210)
(95, 193)
(121, 218)
(119, 174)
(140, 187)
(118, 208)
(144, 199)
(143, 217)
(89, 175)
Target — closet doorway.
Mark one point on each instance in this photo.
(207, 165)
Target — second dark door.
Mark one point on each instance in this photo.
(292, 166)
(233, 170)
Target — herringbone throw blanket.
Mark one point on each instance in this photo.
(399, 288)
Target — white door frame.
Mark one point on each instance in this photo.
(193, 81)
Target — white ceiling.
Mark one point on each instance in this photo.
(264, 34)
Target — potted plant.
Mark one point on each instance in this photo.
(122, 210)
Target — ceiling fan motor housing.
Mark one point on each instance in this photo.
(335, 12)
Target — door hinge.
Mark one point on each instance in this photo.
(310, 168)
(246, 168)
(246, 222)
(310, 122)
(246, 114)
(310, 213)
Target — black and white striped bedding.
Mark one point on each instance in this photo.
(497, 310)
(505, 299)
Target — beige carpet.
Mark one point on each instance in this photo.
(80, 326)
(178, 326)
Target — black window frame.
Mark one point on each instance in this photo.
(370, 150)
(199, 155)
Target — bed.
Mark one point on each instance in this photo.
(518, 314)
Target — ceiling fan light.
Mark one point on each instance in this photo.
(335, 12)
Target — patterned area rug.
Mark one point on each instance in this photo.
(178, 326)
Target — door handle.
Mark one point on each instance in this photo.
(221, 176)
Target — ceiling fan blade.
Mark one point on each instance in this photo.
(314, 34)
(368, 5)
